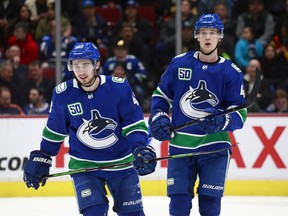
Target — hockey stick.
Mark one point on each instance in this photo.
(70, 172)
(249, 100)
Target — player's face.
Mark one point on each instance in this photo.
(84, 71)
(208, 38)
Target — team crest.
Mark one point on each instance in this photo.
(192, 101)
(92, 132)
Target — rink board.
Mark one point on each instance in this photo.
(149, 187)
(258, 166)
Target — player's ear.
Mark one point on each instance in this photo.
(97, 65)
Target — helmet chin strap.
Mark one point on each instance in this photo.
(85, 87)
(209, 53)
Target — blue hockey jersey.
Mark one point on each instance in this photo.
(136, 71)
(189, 86)
(103, 126)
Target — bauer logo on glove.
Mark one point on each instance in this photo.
(43, 160)
(160, 123)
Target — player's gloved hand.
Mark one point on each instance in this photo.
(160, 123)
(143, 160)
(36, 167)
(215, 124)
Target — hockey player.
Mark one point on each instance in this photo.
(105, 126)
(195, 85)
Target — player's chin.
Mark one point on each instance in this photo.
(83, 81)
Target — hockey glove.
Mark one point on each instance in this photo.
(36, 167)
(159, 123)
(143, 160)
(215, 124)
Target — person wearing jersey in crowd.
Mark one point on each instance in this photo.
(105, 125)
(194, 86)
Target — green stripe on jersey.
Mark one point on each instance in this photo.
(80, 164)
(186, 140)
(52, 136)
(243, 114)
(139, 126)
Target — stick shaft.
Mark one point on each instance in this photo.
(70, 172)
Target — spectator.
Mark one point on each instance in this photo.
(38, 80)
(38, 9)
(24, 16)
(168, 27)
(120, 70)
(226, 47)
(167, 32)
(273, 67)
(280, 40)
(280, 102)
(9, 80)
(43, 28)
(136, 46)
(37, 104)
(207, 6)
(71, 9)
(188, 41)
(8, 12)
(260, 19)
(6, 107)
(23, 38)
(13, 54)
(277, 9)
(136, 72)
(91, 26)
(239, 7)
(112, 4)
(264, 96)
(247, 48)
(140, 26)
(48, 48)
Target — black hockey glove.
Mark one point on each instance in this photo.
(160, 123)
(143, 160)
(36, 167)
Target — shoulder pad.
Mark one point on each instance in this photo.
(180, 55)
(61, 87)
(118, 80)
(236, 68)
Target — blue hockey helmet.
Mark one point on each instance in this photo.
(209, 21)
(83, 50)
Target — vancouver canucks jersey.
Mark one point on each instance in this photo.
(189, 86)
(103, 126)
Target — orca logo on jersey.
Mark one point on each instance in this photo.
(90, 132)
(191, 103)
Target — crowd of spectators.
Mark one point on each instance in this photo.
(137, 46)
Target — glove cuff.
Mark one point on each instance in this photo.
(41, 157)
(147, 148)
(156, 115)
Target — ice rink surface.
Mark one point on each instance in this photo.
(153, 206)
